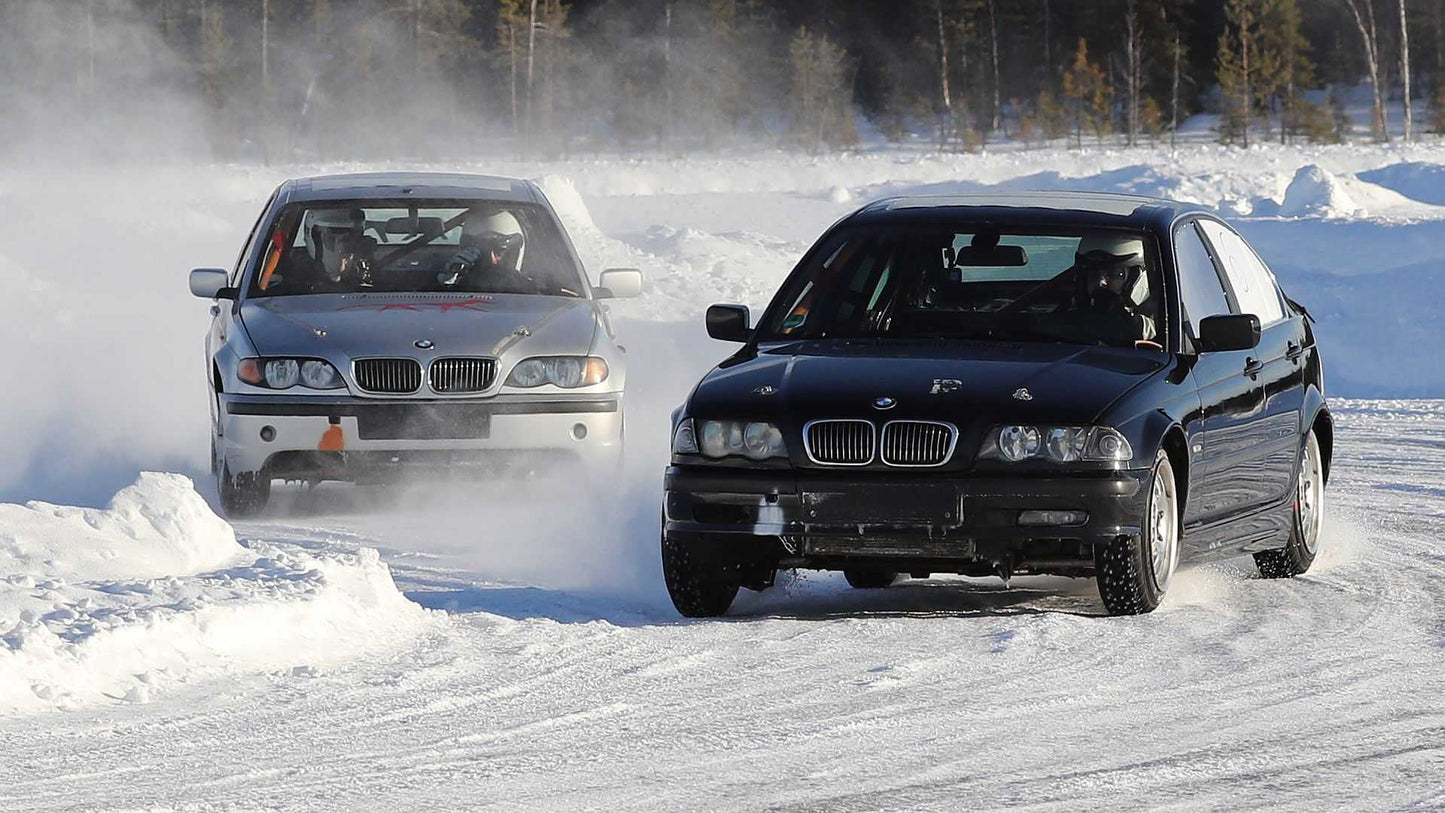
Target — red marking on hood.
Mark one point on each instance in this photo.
(475, 303)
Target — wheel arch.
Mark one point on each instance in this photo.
(1176, 446)
(1323, 425)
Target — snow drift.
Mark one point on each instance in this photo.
(1316, 192)
(111, 604)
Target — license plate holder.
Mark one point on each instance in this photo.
(882, 504)
(424, 422)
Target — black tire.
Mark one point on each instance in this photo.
(1297, 556)
(242, 495)
(698, 579)
(1125, 567)
(869, 578)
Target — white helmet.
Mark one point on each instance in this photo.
(1117, 245)
(1127, 250)
(322, 229)
(497, 232)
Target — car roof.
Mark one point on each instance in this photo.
(420, 185)
(1097, 208)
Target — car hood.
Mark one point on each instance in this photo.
(960, 382)
(344, 326)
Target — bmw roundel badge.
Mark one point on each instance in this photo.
(424, 344)
(884, 402)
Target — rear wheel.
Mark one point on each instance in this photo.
(698, 579)
(242, 495)
(868, 578)
(1309, 514)
(1134, 572)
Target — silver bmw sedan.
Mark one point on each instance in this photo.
(380, 324)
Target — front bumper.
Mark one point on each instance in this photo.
(818, 517)
(301, 437)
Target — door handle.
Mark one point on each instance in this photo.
(1294, 351)
(1252, 367)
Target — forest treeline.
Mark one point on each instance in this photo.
(366, 78)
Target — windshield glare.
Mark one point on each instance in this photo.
(1077, 286)
(414, 247)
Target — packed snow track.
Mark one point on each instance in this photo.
(450, 646)
(1238, 693)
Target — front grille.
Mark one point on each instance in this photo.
(917, 443)
(462, 375)
(839, 442)
(388, 375)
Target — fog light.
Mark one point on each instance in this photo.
(1064, 518)
(579, 431)
(268, 433)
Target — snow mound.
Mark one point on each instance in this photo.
(567, 201)
(156, 527)
(154, 590)
(1412, 179)
(1316, 192)
(694, 268)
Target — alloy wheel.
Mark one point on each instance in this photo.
(1163, 528)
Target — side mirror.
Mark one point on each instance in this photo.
(210, 283)
(619, 283)
(729, 323)
(1229, 332)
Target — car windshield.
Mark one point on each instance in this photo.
(975, 281)
(414, 247)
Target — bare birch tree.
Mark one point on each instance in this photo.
(1405, 67)
(1364, 14)
(1131, 70)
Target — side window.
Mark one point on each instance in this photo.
(1253, 284)
(1199, 285)
(235, 279)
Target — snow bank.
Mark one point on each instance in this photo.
(1316, 192)
(112, 604)
(159, 526)
(1413, 179)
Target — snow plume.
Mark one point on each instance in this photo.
(110, 605)
(93, 82)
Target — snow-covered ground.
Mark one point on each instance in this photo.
(364, 648)
(1324, 691)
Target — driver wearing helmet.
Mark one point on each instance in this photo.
(1114, 289)
(490, 258)
(336, 256)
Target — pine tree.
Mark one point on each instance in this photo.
(1088, 95)
(1237, 67)
(1286, 64)
(822, 95)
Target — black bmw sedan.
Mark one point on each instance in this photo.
(1080, 384)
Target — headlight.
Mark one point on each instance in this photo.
(755, 440)
(282, 374)
(1018, 442)
(319, 375)
(1056, 444)
(562, 371)
(684, 440)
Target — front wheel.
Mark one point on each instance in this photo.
(698, 580)
(1134, 572)
(1309, 514)
(242, 495)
